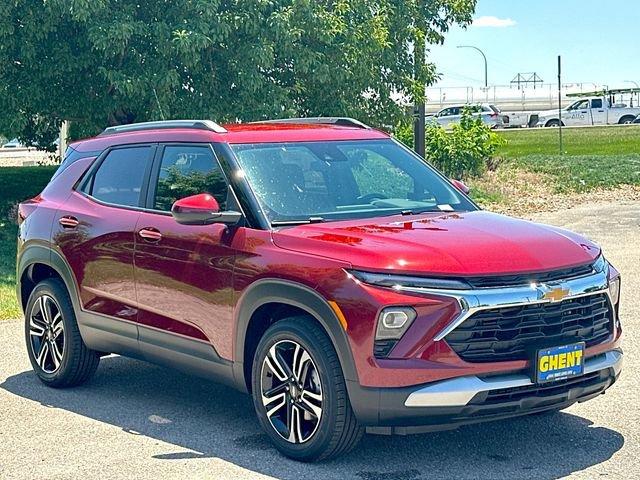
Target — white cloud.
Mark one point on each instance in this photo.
(491, 21)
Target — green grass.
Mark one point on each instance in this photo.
(581, 173)
(596, 157)
(612, 140)
(16, 184)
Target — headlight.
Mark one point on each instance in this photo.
(393, 322)
(600, 264)
(399, 281)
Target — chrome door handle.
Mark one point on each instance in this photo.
(68, 221)
(150, 234)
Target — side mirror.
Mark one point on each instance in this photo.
(202, 209)
(460, 186)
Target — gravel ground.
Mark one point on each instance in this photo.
(136, 420)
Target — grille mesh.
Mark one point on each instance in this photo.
(513, 333)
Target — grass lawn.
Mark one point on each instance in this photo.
(612, 140)
(530, 170)
(16, 184)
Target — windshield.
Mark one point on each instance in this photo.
(318, 181)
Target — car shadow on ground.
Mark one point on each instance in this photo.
(205, 419)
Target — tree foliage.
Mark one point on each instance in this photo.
(107, 62)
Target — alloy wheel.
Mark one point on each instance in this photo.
(291, 391)
(46, 334)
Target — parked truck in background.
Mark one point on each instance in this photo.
(597, 110)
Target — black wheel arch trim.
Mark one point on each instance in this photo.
(270, 290)
(46, 255)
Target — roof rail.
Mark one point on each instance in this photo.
(137, 127)
(341, 121)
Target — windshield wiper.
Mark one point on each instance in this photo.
(285, 223)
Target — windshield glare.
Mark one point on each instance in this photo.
(333, 180)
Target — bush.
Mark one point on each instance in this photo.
(464, 151)
(403, 132)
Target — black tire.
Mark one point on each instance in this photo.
(76, 363)
(552, 123)
(626, 120)
(337, 431)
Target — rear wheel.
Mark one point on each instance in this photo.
(299, 392)
(552, 123)
(57, 353)
(626, 120)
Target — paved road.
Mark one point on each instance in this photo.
(138, 421)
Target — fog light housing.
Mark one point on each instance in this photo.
(393, 322)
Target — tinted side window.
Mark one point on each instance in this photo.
(189, 170)
(121, 175)
(596, 103)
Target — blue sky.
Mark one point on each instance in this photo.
(599, 42)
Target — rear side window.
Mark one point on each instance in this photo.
(189, 170)
(120, 177)
(596, 103)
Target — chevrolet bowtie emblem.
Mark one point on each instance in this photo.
(552, 293)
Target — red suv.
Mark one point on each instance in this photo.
(319, 265)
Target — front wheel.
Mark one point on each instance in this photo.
(57, 353)
(299, 392)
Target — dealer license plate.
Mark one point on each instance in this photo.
(559, 363)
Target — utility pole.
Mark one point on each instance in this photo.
(486, 84)
(419, 122)
(560, 104)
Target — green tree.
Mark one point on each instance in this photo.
(107, 62)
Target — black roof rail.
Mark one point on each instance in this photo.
(341, 121)
(138, 127)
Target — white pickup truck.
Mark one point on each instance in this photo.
(589, 111)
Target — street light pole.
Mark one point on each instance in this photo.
(486, 84)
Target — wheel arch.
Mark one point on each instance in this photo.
(631, 118)
(552, 122)
(299, 298)
(37, 262)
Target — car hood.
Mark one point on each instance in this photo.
(466, 243)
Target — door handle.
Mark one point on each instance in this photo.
(68, 221)
(150, 234)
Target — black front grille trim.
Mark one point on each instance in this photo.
(382, 348)
(514, 333)
(540, 390)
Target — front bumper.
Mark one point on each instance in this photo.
(471, 399)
